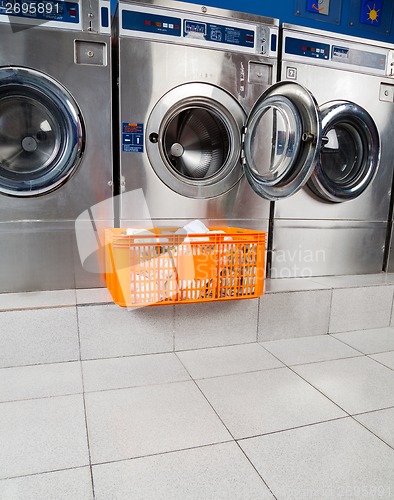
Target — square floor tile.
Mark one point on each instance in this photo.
(203, 363)
(213, 472)
(213, 324)
(355, 384)
(294, 314)
(386, 358)
(42, 435)
(369, 341)
(38, 336)
(132, 371)
(380, 423)
(128, 423)
(71, 484)
(309, 349)
(267, 401)
(361, 308)
(331, 460)
(109, 331)
(40, 381)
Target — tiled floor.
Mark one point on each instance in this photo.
(303, 418)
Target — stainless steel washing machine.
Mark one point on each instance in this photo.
(204, 129)
(337, 224)
(55, 140)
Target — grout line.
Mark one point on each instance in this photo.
(228, 430)
(155, 384)
(372, 411)
(254, 467)
(44, 472)
(37, 308)
(313, 362)
(42, 397)
(258, 318)
(129, 459)
(379, 362)
(84, 408)
(330, 310)
(373, 433)
(128, 355)
(39, 364)
(98, 304)
(173, 328)
(348, 345)
(289, 429)
(309, 383)
(391, 312)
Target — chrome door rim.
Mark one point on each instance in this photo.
(221, 106)
(359, 124)
(305, 155)
(42, 95)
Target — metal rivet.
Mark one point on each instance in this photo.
(204, 9)
(90, 53)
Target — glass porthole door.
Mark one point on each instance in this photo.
(194, 140)
(349, 159)
(41, 133)
(281, 141)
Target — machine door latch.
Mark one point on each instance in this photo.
(243, 134)
(390, 64)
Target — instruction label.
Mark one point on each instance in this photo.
(132, 137)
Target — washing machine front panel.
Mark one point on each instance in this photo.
(57, 88)
(313, 236)
(206, 90)
(370, 113)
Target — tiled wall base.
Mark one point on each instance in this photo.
(50, 327)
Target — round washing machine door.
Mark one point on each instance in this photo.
(41, 133)
(281, 141)
(194, 140)
(349, 160)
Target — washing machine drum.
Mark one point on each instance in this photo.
(194, 140)
(196, 143)
(349, 159)
(41, 133)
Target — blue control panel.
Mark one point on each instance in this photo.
(219, 33)
(307, 48)
(151, 23)
(43, 10)
(160, 24)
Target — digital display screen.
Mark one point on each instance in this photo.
(44, 10)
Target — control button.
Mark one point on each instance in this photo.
(386, 93)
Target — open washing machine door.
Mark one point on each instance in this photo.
(349, 160)
(282, 140)
(41, 133)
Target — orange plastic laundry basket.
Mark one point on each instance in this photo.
(168, 268)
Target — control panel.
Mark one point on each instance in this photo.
(68, 15)
(307, 48)
(336, 53)
(194, 29)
